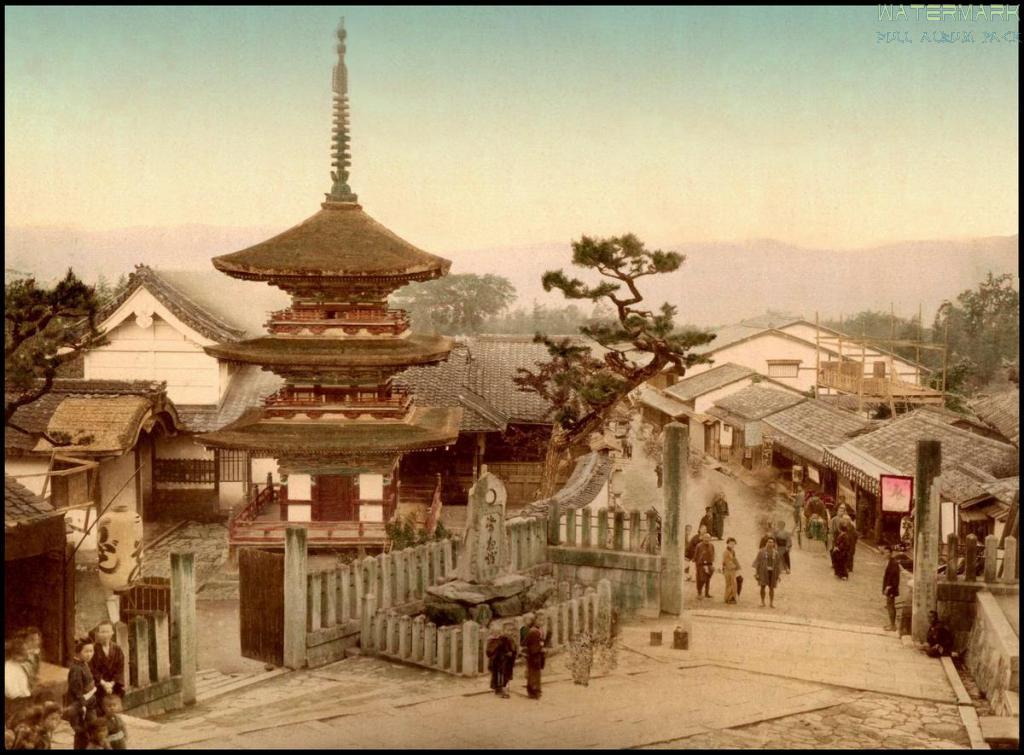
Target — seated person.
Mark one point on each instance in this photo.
(940, 639)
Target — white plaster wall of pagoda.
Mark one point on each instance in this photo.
(300, 512)
(300, 488)
(370, 512)
(371, 487)
(260, 468)
(29, 466)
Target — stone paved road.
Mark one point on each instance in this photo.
(810, 592)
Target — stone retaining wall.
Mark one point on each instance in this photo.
(993, 650)
(635, 577)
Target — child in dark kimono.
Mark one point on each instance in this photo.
(840, 552)
(116, 732)
(501, 658)
(81, 694)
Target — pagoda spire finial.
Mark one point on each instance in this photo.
(341, 159)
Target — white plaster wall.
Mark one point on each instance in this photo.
(181, 446)
(302, 512)
(300, 488)
(370, 512)
(114, 473)
(905, 369)
(260, 467)
(165, 349)
(230, 495)
(756, 352)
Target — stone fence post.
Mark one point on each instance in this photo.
(926, 529)
(674, 464)
(295, 597)
(184, 656)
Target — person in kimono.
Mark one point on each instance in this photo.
(81, 693)
(704, 561)
(840, 552)
(719, 511)
(730, 568)
(767, 570)
(501, 657)
(107, 662)
(533, 648)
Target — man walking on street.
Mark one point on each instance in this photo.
(891, 586)
(704, 559)
(784, 542)
(767, 566)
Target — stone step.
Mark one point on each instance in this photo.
(234, 682)
(1000, 731)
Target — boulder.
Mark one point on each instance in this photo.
(444, 613)
(482, 615)
(473, 594)
(539, 594)
(508, 606)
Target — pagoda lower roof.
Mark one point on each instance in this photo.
(341, 242)
(335, 352)
(424, 429)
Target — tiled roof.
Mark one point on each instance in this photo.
(1005, 490)
(247, 389)
(1002, 412)
(198, 315)
(35, 417)
(755, 402)
(808, 427)
(662, 401)
(895, 444)
(493, 363)
(587, 480)
(21, 505)
(690, 388)
(445, 384)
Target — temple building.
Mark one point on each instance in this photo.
(337, 428)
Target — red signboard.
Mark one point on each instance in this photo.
(897, 493)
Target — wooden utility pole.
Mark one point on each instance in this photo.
(917, 349)
(817, 356)
(945, 356)
(863, 366)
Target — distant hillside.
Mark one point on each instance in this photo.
(719, 283)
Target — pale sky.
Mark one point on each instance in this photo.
(481, 127)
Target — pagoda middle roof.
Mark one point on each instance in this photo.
(335, 352)
(426, 428)
(340, 241)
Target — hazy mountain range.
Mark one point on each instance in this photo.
(719, 283)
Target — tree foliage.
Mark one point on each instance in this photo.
(456, 304)
(403, 533)
(983, 327)
(638, 343)
(44, 328)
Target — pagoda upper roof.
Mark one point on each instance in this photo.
(335, 352)
(425, 428)
(340, 241)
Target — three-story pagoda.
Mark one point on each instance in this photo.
(339, 426)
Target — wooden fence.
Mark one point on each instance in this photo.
(185, 471)
(461, 650)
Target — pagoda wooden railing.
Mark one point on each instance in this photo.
(317, 533)
(260, 497)
(383, 320)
